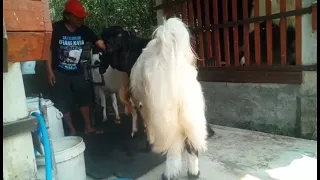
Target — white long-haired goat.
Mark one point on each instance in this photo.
(164, 80)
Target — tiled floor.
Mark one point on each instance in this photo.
(236, 154)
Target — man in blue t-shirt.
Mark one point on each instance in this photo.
(65, 76)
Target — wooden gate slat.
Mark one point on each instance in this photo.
(314, 18)
(208, 34)
(257, 39)
(190, 13)
(177, 11)
(184, 13)
(269, 34)
(199, 18)
(298, 35)
(216, 34)
(191, 22)
(226, 33)
(246, 32)
(235, 32)
(283, 33)
(170, 10)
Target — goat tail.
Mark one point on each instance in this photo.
(174, 39)
(174, 56)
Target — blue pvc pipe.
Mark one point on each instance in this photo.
(46, 145)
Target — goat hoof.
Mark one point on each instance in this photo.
(133, 134)
(117, 121)
(164, 177)
(193, 177)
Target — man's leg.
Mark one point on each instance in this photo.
(83, 96)
(62, 98)
(85, 111)
(67, 118)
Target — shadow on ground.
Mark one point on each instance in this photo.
(116, 153)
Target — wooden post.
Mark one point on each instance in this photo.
(306, 38)
(159, 13)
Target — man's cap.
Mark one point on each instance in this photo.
(76, 8)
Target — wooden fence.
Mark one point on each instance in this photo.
(236, 39)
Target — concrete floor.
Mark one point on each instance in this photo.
(236, 154)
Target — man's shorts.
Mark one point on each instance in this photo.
(70, 90)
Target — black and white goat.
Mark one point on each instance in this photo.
(113, 81)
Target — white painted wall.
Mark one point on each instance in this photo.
(14, 98)
(18, 151)
(309, 53)
(309, 38)
(18, 157)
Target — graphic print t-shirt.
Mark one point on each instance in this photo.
(66, 47)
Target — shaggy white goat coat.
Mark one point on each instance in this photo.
(164, 80)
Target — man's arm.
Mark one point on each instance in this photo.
(51, 77)
(49, 62)
(96, 40)
(50, 73)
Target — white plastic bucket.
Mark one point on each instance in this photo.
(54, 116)
(69, 157)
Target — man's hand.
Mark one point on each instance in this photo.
(51, 78)
(101, 45)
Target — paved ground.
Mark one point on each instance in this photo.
(236, 154)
